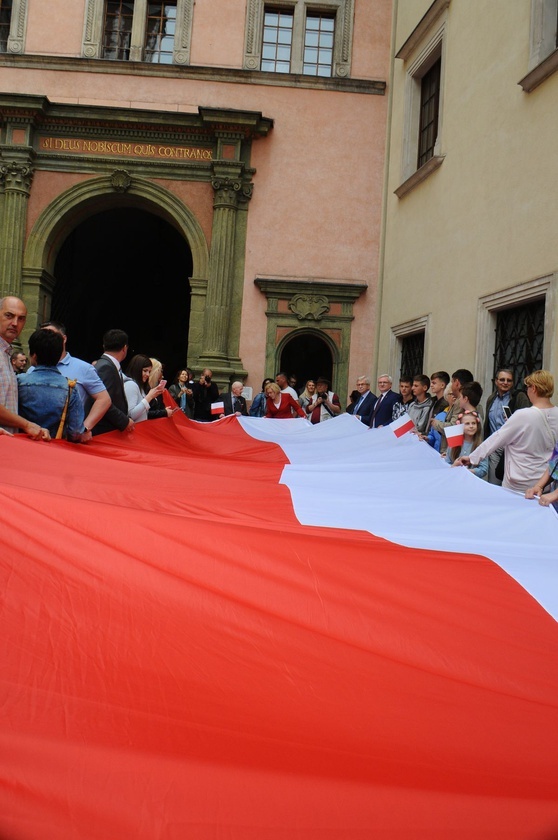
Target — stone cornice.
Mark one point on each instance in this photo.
(168, 124)
(286, 287)
(209, 74)
(422, 27)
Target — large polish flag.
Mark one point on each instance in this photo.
(267, 630)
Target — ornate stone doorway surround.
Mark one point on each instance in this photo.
(322, 307)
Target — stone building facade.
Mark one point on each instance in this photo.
(206, 176)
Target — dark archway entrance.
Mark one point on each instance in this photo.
(125, 268)
(307, 356)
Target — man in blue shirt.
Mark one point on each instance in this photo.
(89, 384)
(45, 396)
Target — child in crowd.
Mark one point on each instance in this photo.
(472, 437)
(434, 438)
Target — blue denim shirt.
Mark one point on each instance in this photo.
(42, 396)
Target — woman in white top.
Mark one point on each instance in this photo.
(136, 387)
(528, 436)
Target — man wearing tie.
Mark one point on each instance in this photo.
(362, 409)
(383, 408)
(115, 346)
(234, 402)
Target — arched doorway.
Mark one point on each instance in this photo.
(308, 356)
(127, 268)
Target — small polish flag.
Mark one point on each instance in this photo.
(402, 425)
(454, 435)
(218, 408)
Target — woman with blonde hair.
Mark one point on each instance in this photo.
(157, 408)
(280, 405)
(528, 436)
(309, 391)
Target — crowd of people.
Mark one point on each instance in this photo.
(513, 442)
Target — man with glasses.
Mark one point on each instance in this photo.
(383, 407)
(504, 397)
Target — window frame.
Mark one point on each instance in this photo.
(93, 34)
(18, 26)
(398, 332)
(541, 288)
(543, 50)
(421, 50)
(342, 10)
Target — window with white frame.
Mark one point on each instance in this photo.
(423, 54)
(308, 37)
(138, 30)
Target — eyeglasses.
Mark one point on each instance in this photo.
(508, 381)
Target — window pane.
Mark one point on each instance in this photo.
(117, 30)
(277, 42)
(318, 32)
(159, 32)
(429, 109)
(5, 19)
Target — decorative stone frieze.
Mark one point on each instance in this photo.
(309, 307)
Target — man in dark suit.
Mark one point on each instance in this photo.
(362, 409)
(234, 402)
(383, 408)
(115, 346)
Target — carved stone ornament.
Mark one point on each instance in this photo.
(232, 189)
(121, 180)
(17, 176)
(309, 307)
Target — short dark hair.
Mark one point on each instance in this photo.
(408, 379)
(266, 381)
(114, 340)
(57, 325)
(473, 392)
(463, 375)
(281, 373)
(441, 374)
(423, 379)
(47, 347)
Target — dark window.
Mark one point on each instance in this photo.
(412, 354)
(118, 30)
(520, 340)
(318, 45)
(5, 19)
(277, 41)
(429, 111)
(160, 29)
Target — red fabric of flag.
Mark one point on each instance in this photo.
(183, 659)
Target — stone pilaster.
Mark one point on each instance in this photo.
(16, 173)
(221, 305)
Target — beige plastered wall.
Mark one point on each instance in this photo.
(485, 220)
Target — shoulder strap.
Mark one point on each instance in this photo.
(60, 431)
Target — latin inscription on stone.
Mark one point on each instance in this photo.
(117, 148)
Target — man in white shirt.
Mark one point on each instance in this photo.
(283, 381)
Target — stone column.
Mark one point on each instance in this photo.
(230, 192)
(16, 174)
